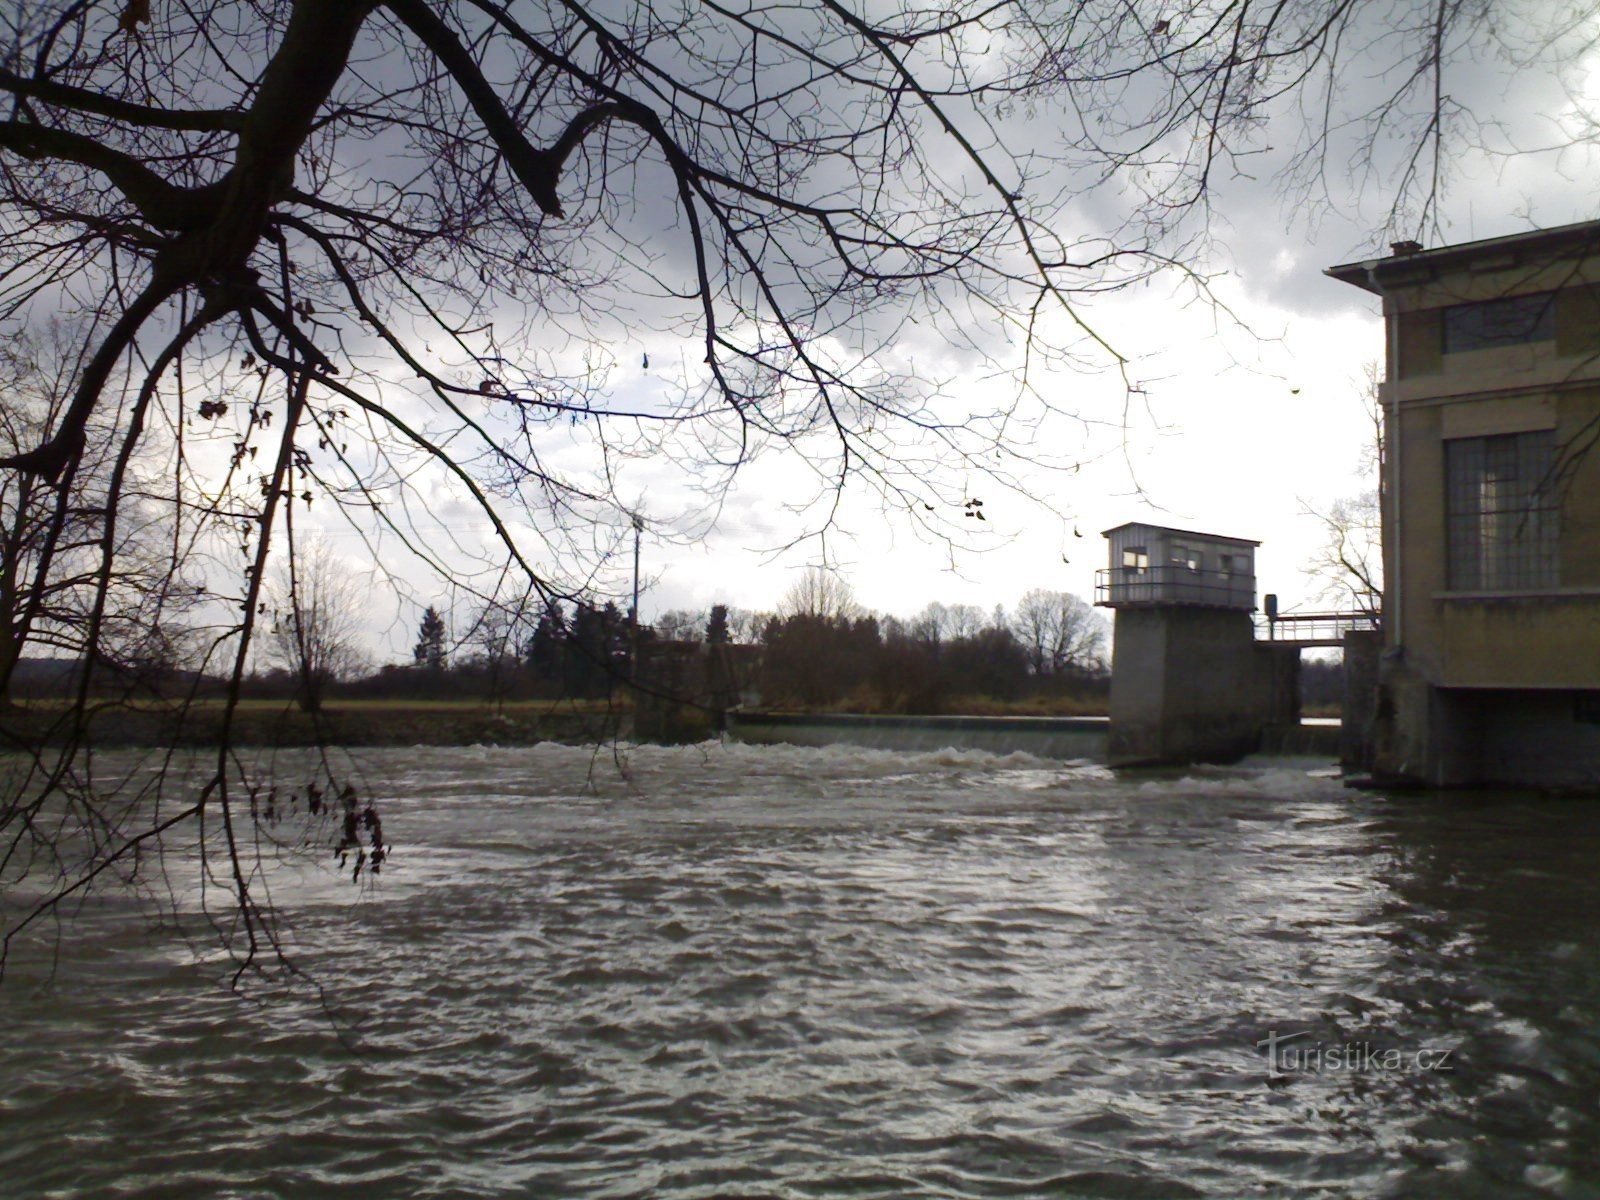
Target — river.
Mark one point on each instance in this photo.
(768, 971)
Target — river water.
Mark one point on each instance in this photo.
(785, 972)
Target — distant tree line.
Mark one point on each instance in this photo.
(819, 649)
(578, 649)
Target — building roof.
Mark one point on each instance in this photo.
(1413, 266)
(1190, 533)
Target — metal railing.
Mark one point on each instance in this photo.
(1116, 587)
(1316, 629)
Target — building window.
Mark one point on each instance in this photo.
(1502, 516)
(1136, 560)
(1186, 558)
(1225, 565)
(1513, 321)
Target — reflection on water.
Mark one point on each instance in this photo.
(774, 971)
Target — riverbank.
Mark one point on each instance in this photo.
(345, 723)
(529, 722)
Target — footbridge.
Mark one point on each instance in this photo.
(1306, 630)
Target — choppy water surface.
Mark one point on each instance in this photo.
(769, 971)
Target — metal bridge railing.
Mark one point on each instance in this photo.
(1322, 629)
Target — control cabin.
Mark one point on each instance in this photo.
(1152, 565)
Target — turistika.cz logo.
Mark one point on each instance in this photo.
(1287, 1054)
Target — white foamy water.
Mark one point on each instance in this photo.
(774, 971)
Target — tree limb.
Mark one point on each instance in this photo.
(163, 205)
(65, 96)
(537, 170)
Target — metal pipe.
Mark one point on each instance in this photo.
(1393, 585)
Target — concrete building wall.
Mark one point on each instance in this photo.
(1504, 643)
(1487, 637)
(1578, 425)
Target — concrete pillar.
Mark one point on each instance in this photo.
(1362, 648)
(1190, 684)
(1424, 735)
(1279, 670)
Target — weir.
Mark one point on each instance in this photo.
(1065, 738)
(1191, 680)
(1043, 737)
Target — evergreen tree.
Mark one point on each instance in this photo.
(429, 650)
(544, 647)
(585, 656)
(717, 626)
(618, 650)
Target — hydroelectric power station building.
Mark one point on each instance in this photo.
(1490, 669)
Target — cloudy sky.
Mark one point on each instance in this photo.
(1249, 417)
(1246, 411)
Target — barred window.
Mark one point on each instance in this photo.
(1513, 321)
(1502, 518)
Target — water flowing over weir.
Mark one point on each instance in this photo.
(794, 972)
(1081, 738)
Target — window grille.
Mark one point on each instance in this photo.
(1502, 516)
(1512, 321)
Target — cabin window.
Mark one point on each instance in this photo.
(1136, 560)
(1512, 321)
(1502, 515)
(1226, 565)
(1185, 557)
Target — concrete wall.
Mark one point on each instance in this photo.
(1526, 642)
(1423, 734)
(1551, 739)
(1465, 737)
(1193, 685)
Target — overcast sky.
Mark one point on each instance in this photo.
(1246, 413)
(1246, 423)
